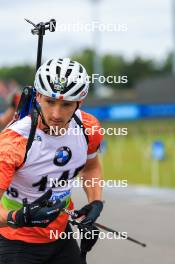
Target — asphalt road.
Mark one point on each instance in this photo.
(145, 214)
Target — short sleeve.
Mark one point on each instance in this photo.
(93, 131)
(12, 152)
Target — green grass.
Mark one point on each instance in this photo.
(129, 157)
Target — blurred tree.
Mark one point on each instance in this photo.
(117, 66)
(168, 64)
(112, 64)
(24, 75)
(139, 69)
(86, 59)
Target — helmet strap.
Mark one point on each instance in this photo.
(78, 104)
(39, 110)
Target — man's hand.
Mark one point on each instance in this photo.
(91, 212)
(39, 213)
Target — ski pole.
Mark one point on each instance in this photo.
(74, 222)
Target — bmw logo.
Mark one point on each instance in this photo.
(62, 156)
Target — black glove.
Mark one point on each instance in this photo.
(91, 211)
(39, 213)
(87, 242)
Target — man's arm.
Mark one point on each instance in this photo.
(12, 152)
(91, 211)
(7, 117)
(3, 213)
(92, 170)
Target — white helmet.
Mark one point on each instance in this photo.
(62, 79)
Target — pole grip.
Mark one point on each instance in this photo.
(39, 29)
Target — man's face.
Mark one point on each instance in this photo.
(56, 112)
